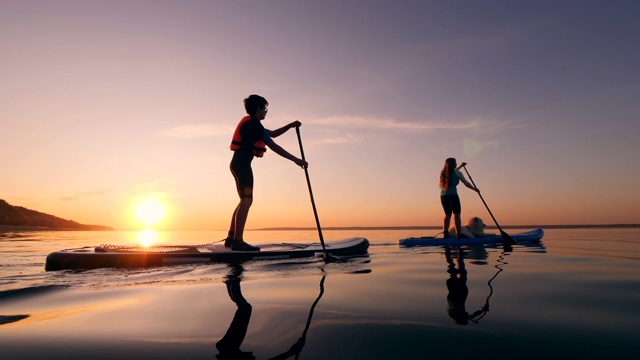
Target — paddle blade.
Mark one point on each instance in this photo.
(507, 239)
(329, 258)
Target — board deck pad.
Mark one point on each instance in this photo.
(139, 256)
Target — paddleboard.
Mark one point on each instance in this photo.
(138, 256)
(525, 237)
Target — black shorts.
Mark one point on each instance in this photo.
(451, 204)
(241, 169)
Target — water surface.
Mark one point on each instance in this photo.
(573, 296)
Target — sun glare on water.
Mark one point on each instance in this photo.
(147, 238)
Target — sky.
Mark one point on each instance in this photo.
(105, 105)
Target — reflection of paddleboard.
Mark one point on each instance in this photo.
(139, 256)
(525, 237)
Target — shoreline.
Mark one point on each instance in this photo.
(10, 228)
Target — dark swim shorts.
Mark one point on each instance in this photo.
(241, 169)
(451, 204)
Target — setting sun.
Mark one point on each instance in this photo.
(149, 213)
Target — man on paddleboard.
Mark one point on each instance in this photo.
(250, 140)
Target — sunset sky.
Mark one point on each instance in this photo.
(106, 104)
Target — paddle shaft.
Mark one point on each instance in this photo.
(313, 203)
(505, 236)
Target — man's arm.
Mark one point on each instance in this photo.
(282, 130)
(285, 154)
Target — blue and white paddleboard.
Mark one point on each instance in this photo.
(525, 237)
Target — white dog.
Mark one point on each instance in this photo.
(474, 227)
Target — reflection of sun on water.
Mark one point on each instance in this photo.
(148, 213)
(147, 237)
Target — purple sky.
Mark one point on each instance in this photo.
(107, 103)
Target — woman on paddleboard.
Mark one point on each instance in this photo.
(250, 140)
(450, 177)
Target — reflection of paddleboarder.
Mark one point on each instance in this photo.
(458, 290)
(457, 286)
(229, 345)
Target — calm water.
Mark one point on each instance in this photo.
(575, 296)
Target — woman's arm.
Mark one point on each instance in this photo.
(465, 182)
(282, 130)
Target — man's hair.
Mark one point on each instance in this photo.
(254, 103)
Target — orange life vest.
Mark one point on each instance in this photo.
(259, 147)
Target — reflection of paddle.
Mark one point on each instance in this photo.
(507, 240)
(475, 317)
(303, 338)
(313, 203)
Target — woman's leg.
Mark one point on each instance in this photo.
(446, 206)
(458, 222)
(447, 223)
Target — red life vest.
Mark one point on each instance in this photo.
(259, 147)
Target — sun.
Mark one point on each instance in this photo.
(149, 213)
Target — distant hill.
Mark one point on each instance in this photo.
(20, 216)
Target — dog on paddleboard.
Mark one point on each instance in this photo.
(473, 228)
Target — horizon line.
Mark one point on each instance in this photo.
(11, 228)
(436, 227)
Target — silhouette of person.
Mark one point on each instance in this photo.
(251, 140)
(229, 345)
(450, 177)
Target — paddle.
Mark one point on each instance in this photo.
(507, 240)
(313, 203)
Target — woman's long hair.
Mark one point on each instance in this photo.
(447, 172)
